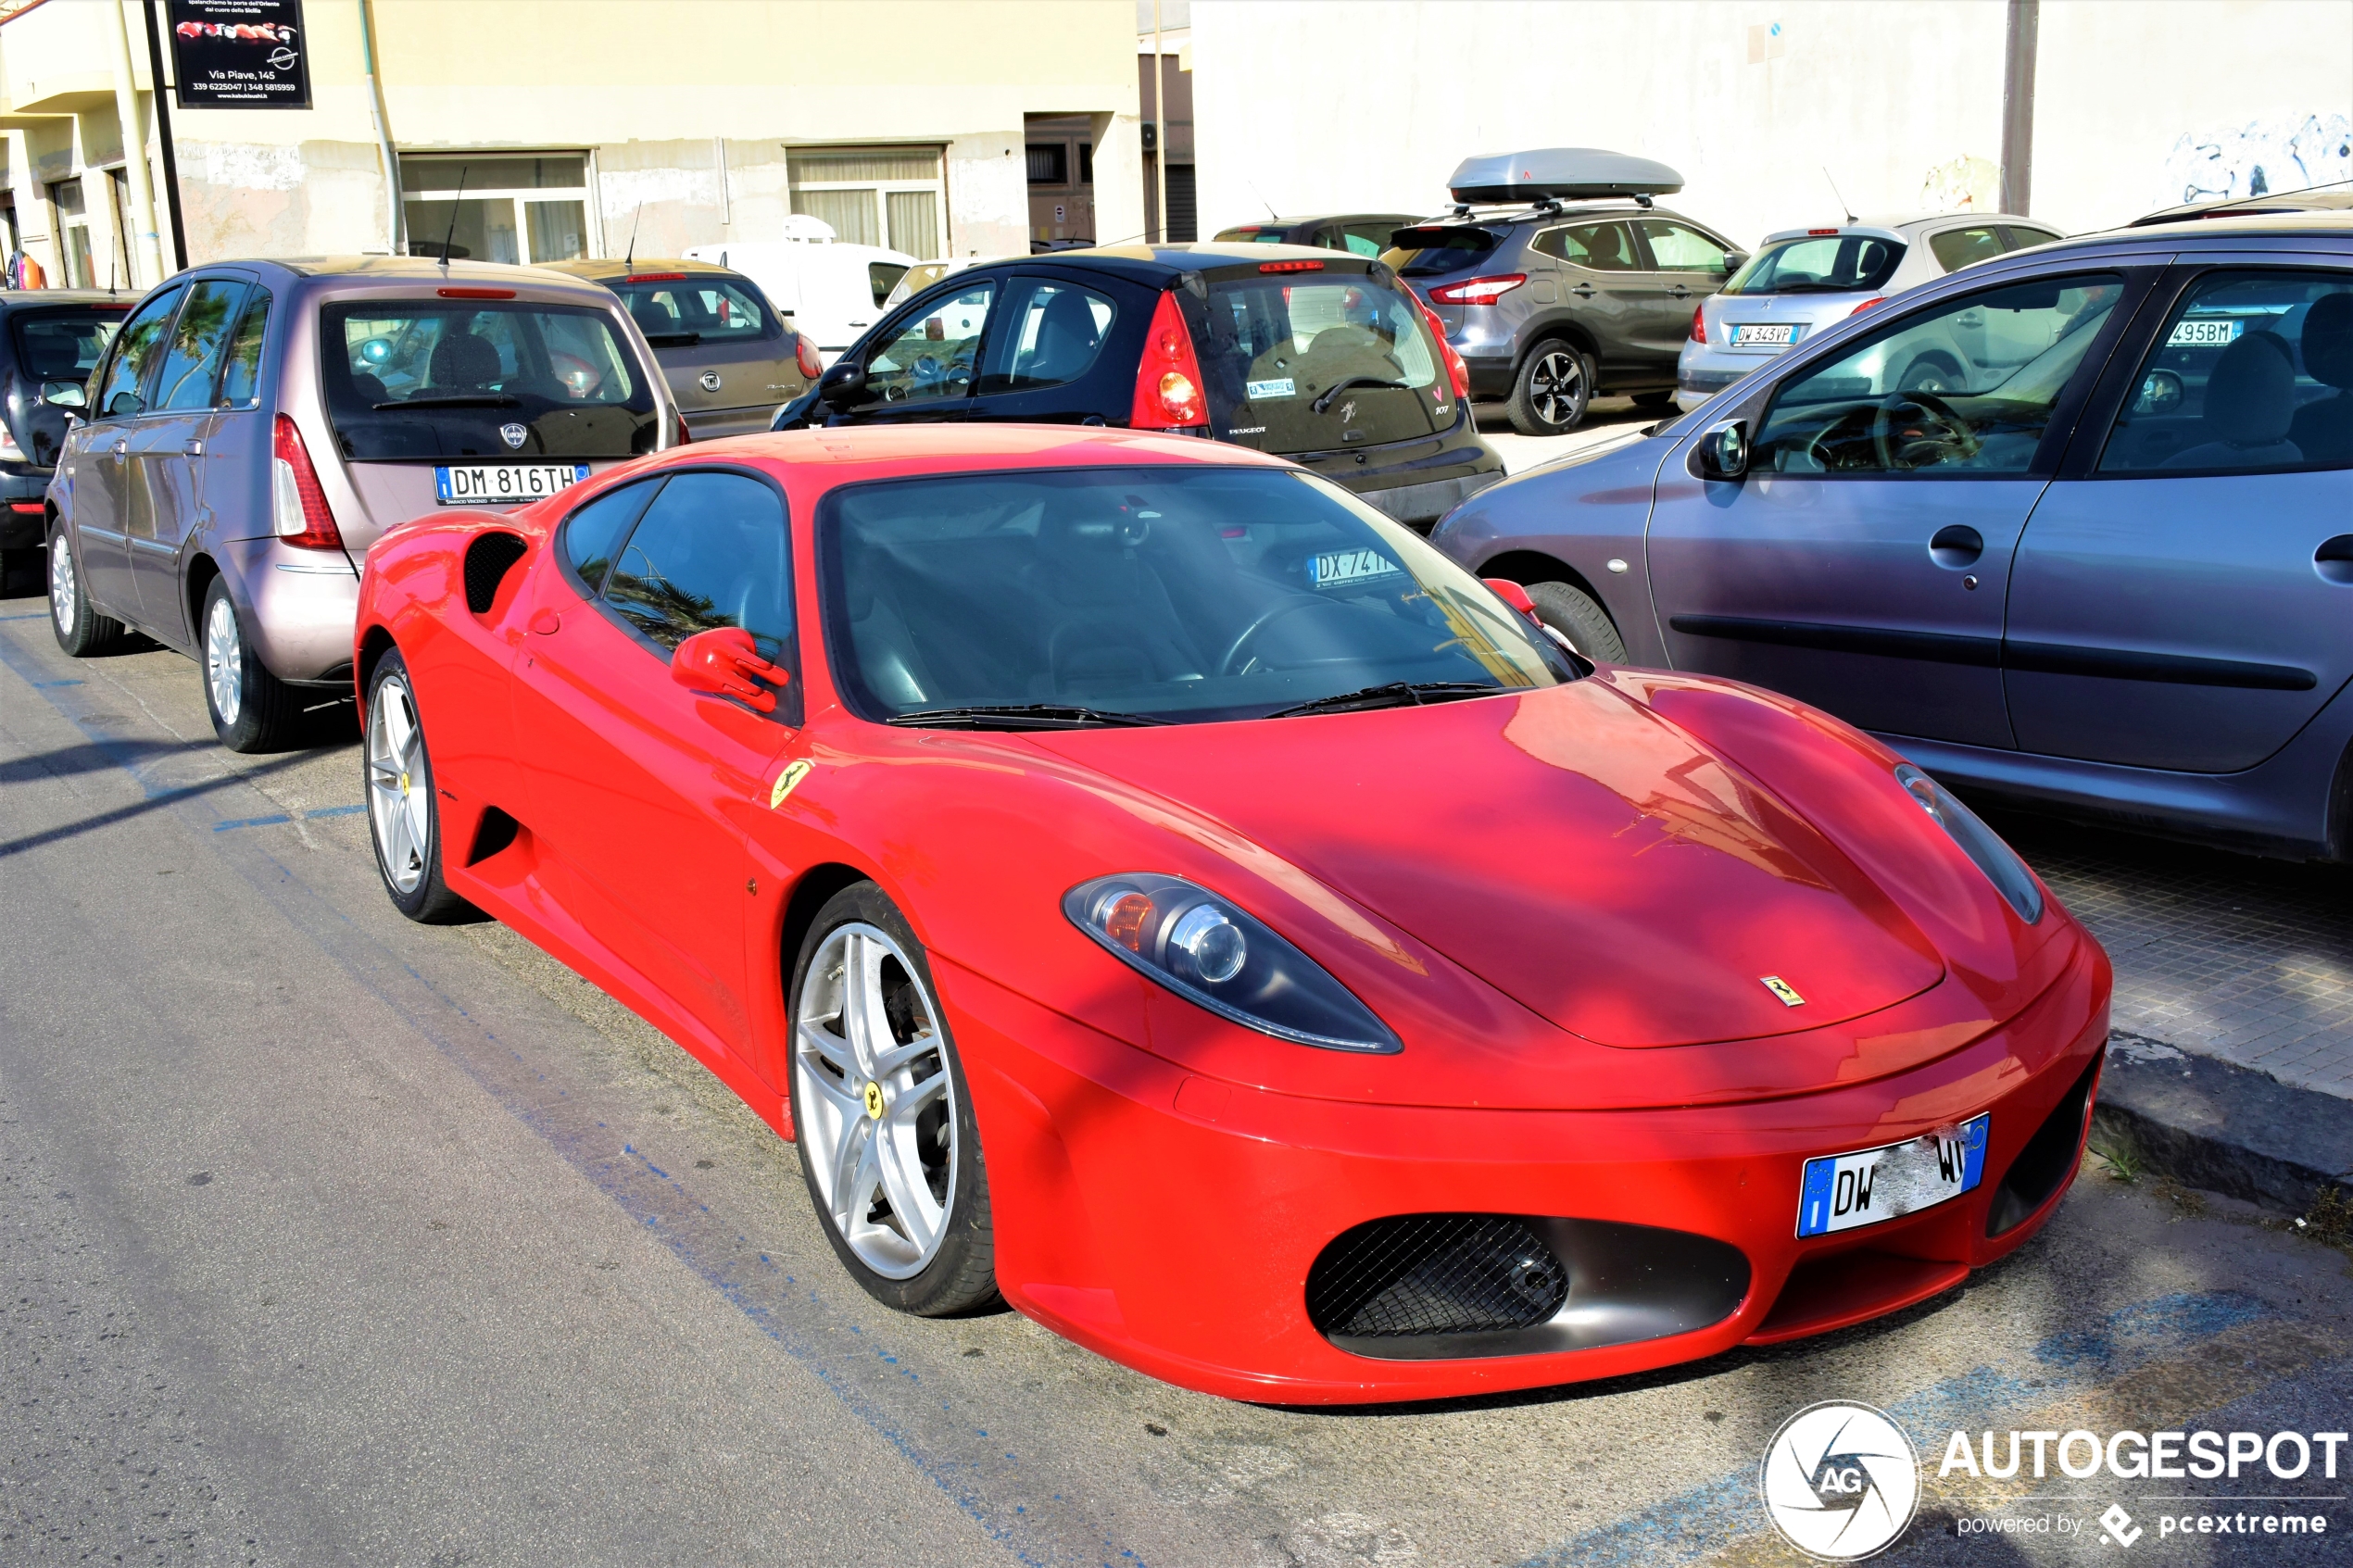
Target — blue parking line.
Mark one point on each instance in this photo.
(1697, 1522)
(36, 615)
(48, 685)
(281, 817)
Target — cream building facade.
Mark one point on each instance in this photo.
(574, 125)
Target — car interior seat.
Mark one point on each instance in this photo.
(654, 317)
(2322, 431)
(1109, 619)
(463, 362)
(1067, 340)
(2250, 401)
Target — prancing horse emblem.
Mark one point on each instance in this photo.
(1782, 989)
(709, 380)
(514, 436)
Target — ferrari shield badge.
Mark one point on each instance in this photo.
(1782, 989)
(788, 781)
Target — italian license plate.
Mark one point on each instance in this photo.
(502, 484)
(1757, 335)
(1335, 568)
(2203, 334)
(1842, 1191)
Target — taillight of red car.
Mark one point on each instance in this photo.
(299, 514)
(1168, 384)
(1699, 324)
(1456, 372)
(806, 353)
(1479, 290)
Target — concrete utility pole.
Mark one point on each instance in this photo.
(149, 248)
(2017, 106)
(1160, 131)
(394, 212)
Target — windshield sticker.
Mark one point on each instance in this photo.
(788, 781)
(1258, 389)
(1337, 568)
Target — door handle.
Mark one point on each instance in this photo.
(1679, 292)
(1583, 291)
(1955, 546)
(119, 449)
(2333, 560)
(546, 622)
(193, 448)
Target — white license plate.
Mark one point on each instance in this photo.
(1758, 336)
(1842, 1191)
(2203, 334)
(1335, 568)
(502, 484)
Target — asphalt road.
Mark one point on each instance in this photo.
(326, 1239)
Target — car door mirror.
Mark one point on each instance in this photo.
(1514, 595)
(843, 385)
(1734, 260)
(65, 394)
(725, 661)
(1722, 453)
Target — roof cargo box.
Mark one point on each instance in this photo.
(1560, 174)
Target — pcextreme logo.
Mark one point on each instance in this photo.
(1839, 1481)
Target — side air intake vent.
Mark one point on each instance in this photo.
(1435, 1274)
(488, 560)
(2048, 1160)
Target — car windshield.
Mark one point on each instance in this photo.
(1820, 264)
(417, 379)
(63, 344)
(1168, 594)
(1447, 247)
(674, 308)
(1313, 361)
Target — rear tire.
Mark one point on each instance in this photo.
(80, 629)
(1552, 389)
(404, 810)
(252, 709)
(1576, 615)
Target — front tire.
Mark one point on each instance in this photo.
(1552, 389)
(404, 810)
(252, 709)
(79, 629)
(1577, 616)
(882, 1114)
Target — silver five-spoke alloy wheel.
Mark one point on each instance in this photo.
(65, 592)
(224, 667)
(399, 785)
(878, 1103)
(1556, 386)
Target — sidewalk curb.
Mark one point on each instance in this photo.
(2226, 1128)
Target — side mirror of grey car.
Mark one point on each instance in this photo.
(844, 384)
(1722, 453)
(65, 394)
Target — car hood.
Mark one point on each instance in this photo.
(1569, 846)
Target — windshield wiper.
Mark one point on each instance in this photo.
(1018, 716)
(1396, 693)
(1332, 392)
(457, 400)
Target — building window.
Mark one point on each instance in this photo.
(73, 232)
(892, 196)
(1048, 164)
(527, 207)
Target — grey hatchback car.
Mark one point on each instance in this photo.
(255, 425)
(2110, 573)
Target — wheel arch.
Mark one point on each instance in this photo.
(195, 582)
(1563, 329)
(815, 885)
(373, 647)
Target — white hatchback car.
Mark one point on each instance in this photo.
(1801, 280)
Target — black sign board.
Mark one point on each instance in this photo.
(240, 54)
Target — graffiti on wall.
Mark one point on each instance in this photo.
(1968, 183)
(2271, 153)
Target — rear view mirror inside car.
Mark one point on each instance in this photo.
(2043, 294)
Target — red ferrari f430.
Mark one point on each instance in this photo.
(1155, 888)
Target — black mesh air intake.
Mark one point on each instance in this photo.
(488, 560)
(1435, 1274)
(2048, 1160)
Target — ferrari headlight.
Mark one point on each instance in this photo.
(1211, 953)
(1996, 860)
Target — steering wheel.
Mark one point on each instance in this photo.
(1233, 663)
(1944, 435)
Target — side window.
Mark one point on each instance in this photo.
(1957, 249)
(1964, 387)
(192, 362)
(135, 349)
(1053, 331)
(2252, 372)
(1370, 239)
(1675, 248)
(931, 353)
(710, 551)
(1604, 248)
(592, 533)
(241, 374)
(2019, 239)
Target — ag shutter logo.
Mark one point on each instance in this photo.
(1839, 1481)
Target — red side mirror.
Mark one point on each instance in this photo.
(1514, 595)
(722, 662)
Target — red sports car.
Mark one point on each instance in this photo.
(1156, 888)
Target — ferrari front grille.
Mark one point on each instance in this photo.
(1417, 1275)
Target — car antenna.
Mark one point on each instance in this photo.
(451, 233)
(1254, 190)
(1841, 200)
(629, 262)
